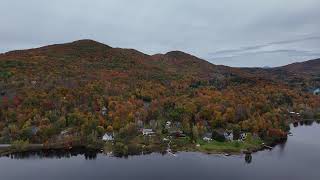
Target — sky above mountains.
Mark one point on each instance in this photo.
(231, 32)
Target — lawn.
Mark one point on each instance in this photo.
(228, 147)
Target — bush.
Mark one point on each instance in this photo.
(20, 145)
(120, 150)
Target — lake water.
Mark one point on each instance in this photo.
(297, 159)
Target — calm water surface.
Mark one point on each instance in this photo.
(297, 159)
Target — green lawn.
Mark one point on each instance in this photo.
(228, 147)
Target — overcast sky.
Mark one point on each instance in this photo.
(229, 32)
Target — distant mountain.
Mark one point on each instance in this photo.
(311, 67)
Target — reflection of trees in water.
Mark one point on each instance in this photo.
(308, 123)
(56, 154)
(248, 158)
(305, 123)
(282, 146)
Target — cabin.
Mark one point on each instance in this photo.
(316, 92)
(104, 111)
(147, 132)
(207, 137)
(243, 136)
(177, 133)
(34, 130)
(168, 124)
(108, 137)
(228, 135)
(64, 132)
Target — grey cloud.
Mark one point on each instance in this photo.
(230, 52)
(153, 26)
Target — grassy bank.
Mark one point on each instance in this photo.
(229, 147)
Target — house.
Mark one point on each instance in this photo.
(64, 132)
(316, 91)
(207, 137)
(34, 130)
(168, 124)
(165, 139)
(177, 133)
(228, 136)
(147, 132)
(108, 137)
(243, 136)
(104, 111)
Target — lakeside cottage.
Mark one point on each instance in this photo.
(207, 137)
(243, 136)
(316, 91)
(228, 136)
(168, 124)
(177, 133)
(104, 111)
(147, 132)
(108, 137)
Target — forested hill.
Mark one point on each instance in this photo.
(87, 88)
(301, 75)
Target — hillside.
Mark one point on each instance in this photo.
(78, 91)
(308, 67)
(302, 75)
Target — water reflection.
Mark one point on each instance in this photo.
(296, 159)
(92, 154)
(248, 158)
(56, 154)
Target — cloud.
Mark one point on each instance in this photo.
(243, 50)
(202, 28)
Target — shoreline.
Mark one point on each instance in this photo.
(205, 147)
(190, 148)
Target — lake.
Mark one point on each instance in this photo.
(296, 159)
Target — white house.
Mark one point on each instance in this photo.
(168, 124)
(107, 137)
(228, 136)
(147, 132)
(243, 136)
(207, 137)
(104, 111)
